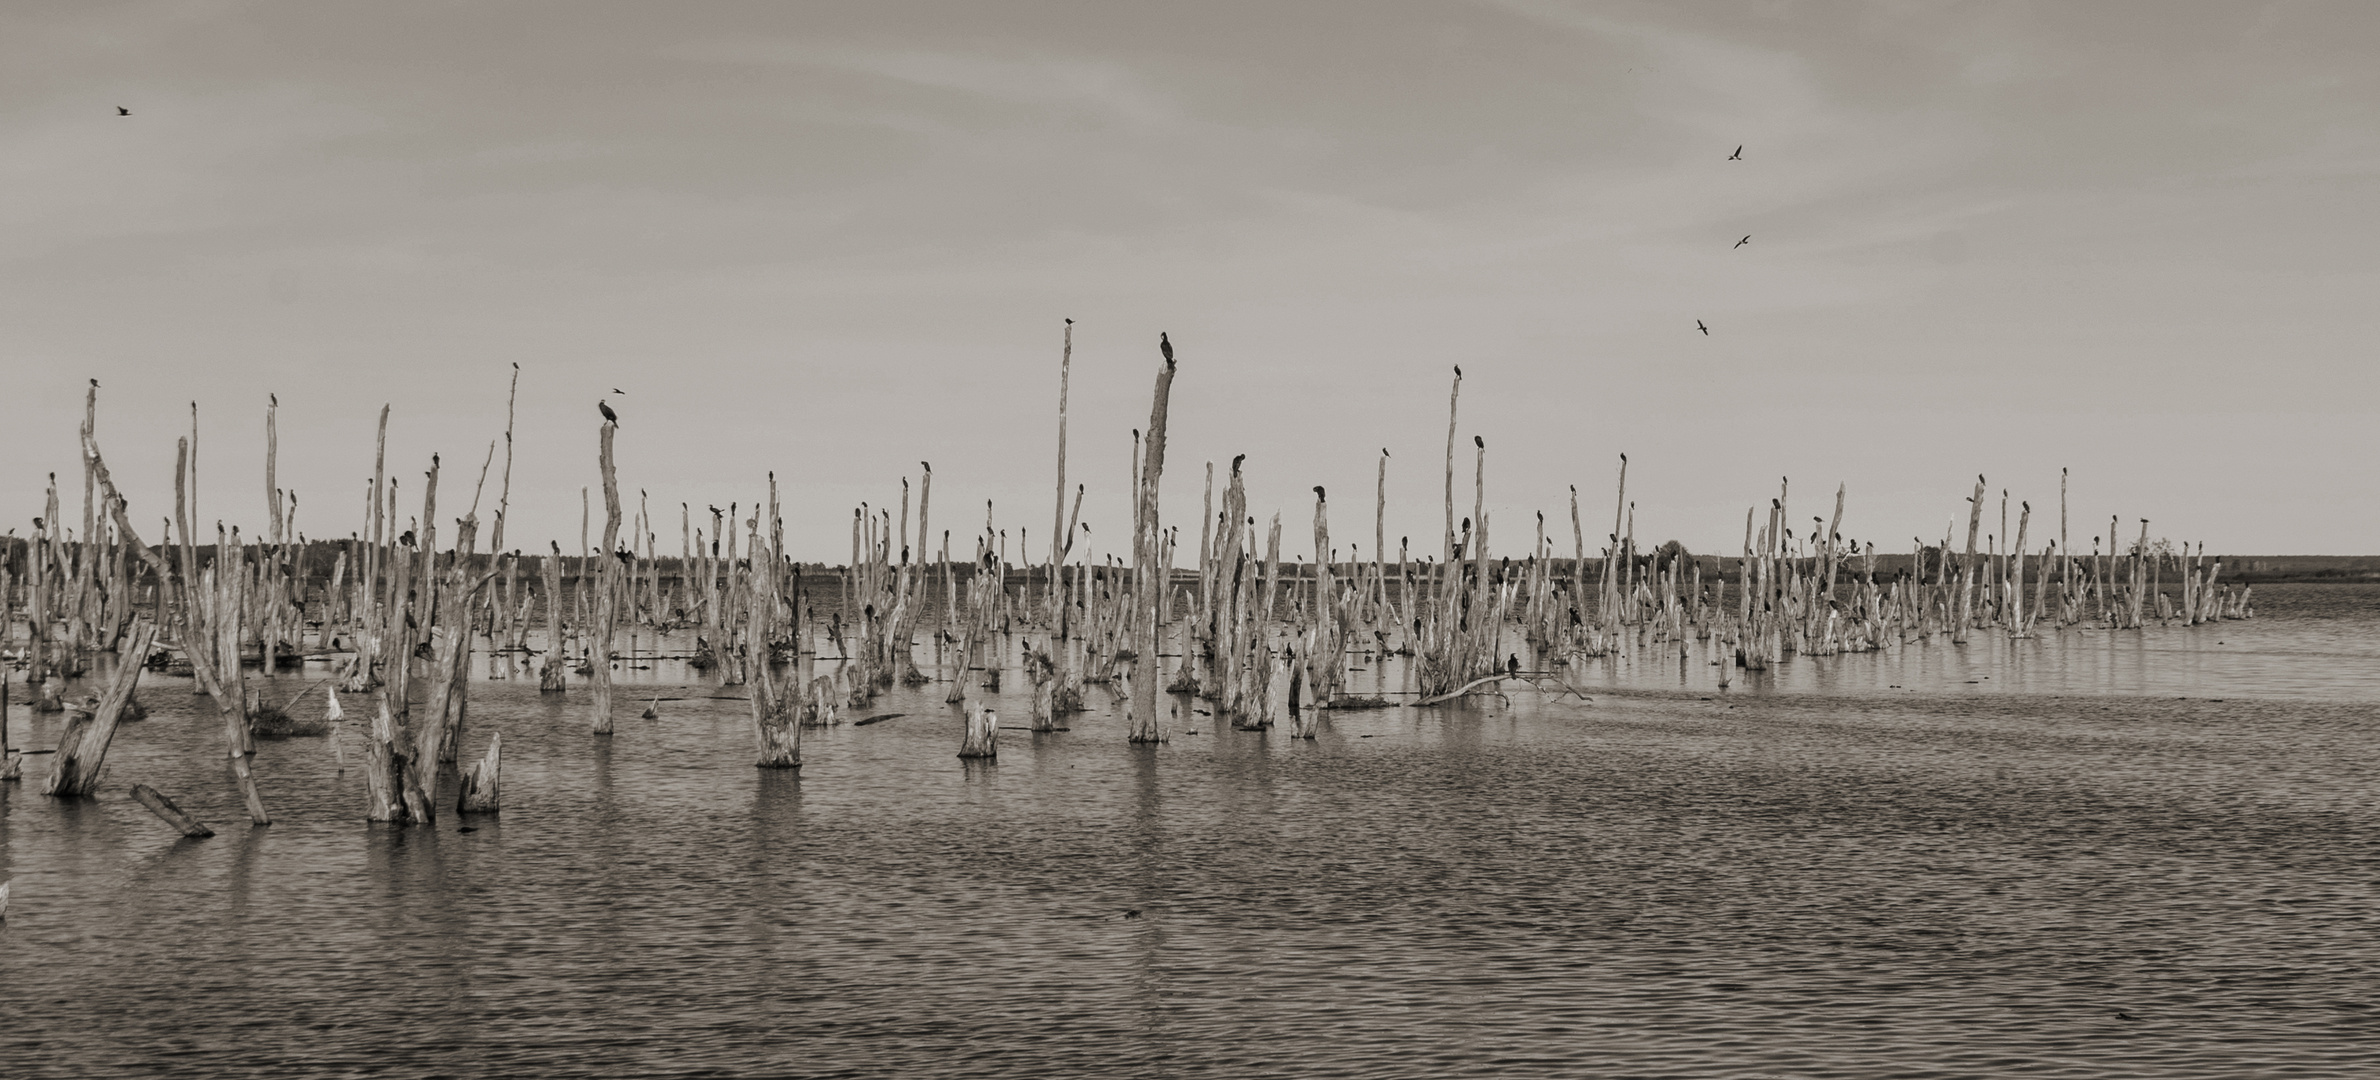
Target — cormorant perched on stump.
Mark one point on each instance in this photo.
(609, 416)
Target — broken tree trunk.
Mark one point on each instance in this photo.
(606, 601)
(82, 747)
(1149, 579)
(480, 786)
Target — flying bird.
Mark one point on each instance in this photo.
(1738, 155)
(1165, 348)
(1746, 240)
(609, 417)
(122, 111)
(617, 390)
(1706, 332)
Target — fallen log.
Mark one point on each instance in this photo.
(163, 807)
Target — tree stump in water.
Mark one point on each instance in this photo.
(983, 735)
(480, 786)
(384, 768)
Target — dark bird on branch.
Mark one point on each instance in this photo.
(1738, 155)
(1746, 240)
(1479, 442)
(1706, 332)
(122, 111)
(406, 540)
(1458, 371)
(1512, 663)
(1318, 493)
(609, 417)
(1164, 348)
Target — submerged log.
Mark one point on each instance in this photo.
(164, 808)
(482, 784)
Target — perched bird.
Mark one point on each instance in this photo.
(1512, 663)
(1738, 155)
(1706, 332)
(1746, 240)
(1164, 348)
(94, 384)
(1318, 496)
(609, 416)
(122, 111)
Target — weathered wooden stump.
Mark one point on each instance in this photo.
(983, 735)
(482, 787)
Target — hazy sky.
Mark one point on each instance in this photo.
(2136, 240)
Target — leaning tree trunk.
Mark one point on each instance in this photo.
(82, 747)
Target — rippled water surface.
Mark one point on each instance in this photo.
(2081, 863)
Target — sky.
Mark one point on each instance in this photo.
(833, 241)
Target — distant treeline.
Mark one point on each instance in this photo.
(322, 556)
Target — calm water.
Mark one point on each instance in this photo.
(2080, 863)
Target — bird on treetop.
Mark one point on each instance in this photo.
(1164, 347)
(1318, 493)
(1479, 442)
(609, 416)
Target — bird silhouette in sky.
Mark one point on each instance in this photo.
(122, 111)
(617, 390)
(1738, 155)
(1164, 348)
(1746, 240)
(609, 416)
(1706, 332)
